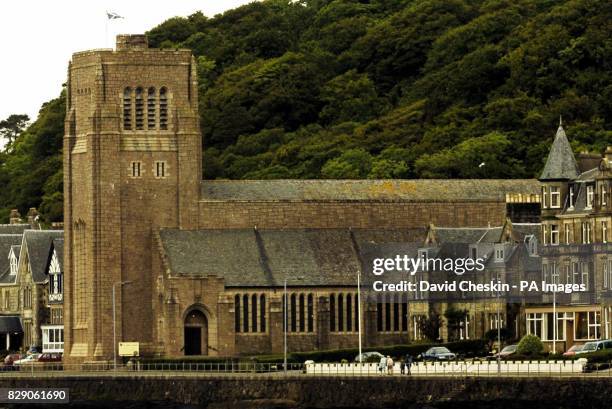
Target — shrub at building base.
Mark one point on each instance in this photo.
(530, 345)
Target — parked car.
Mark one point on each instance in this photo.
(50, 357)
(438, 354)
(594, 346)
(11, 358)
(575, 349)
(34, 350)
(27, 359)
(505, 352)
(372, 356)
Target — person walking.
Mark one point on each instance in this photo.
(382, 365)
(402, 367)
(409, 363)
(390, 364)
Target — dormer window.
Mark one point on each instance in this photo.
(571, 197)
(555, 197)
(499, 252)
(589, 197)
(13, 263)
(532, 244)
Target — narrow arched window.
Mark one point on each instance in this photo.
(396, 314)
(302, 318)
(151, 99)
(127, 108)
(349, 312)
(262, 314)
(293, 312)
(139, 105)
(254, 312)
(332, 313)
(356, 312)
(310, 313)
(237, 313)
(245, 313)
(340, 313)
(163, 108)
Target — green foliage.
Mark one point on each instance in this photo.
(530, 345)
(428, 88)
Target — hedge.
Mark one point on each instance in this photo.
(467, 348)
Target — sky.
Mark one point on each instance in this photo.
(38, 37)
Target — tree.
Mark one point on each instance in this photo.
(454, 322)
(352, 164)
(430, 326)
(12, 127)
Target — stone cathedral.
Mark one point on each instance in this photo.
(198, 266)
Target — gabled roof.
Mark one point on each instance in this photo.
(561, 163)
(38, 245)
(58, 247)
(6, 242)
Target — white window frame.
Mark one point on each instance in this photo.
(566, 230)
(571, 198)
(544, 233)
(554, 234)
(555, 197)
(535, 318)
(604, 201)
(13, 263)
(589, 197)
(604, 231)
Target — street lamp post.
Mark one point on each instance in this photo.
(121, 283)
(359, 312)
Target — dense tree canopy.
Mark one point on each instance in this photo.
(372, 89)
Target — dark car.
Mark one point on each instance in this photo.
(438, 354)
(50, 357)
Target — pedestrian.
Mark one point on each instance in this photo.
(408, 363)
(382, 365)
(402, 367)
(390, 364)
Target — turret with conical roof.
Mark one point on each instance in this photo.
(561, 163)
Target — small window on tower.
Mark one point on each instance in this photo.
(151, 108)
(163, 108)
(160, 169)
(127, 108)
(136, 169)
(139, 109)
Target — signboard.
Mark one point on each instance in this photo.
(129, 348)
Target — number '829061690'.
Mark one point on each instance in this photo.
(33, 395)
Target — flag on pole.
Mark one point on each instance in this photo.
(112, 15)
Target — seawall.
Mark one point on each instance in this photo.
(311, 392)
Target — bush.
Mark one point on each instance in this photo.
(530, 345)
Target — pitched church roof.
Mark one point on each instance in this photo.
(407, 190)
(38, 244)
(561, 163)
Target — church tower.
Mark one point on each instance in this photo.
(132, 164)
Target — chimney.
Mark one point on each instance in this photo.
(588, 161)
(132, 42)
(608, 154)
(33, 218)
(15, 217)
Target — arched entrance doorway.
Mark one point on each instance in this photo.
(196, 333)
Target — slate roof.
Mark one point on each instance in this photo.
(38, 245)
(6, 242)
(366, 190)
(10, 324)
(14, 228)
(258, 258)
(561, 163)
(464, 234)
